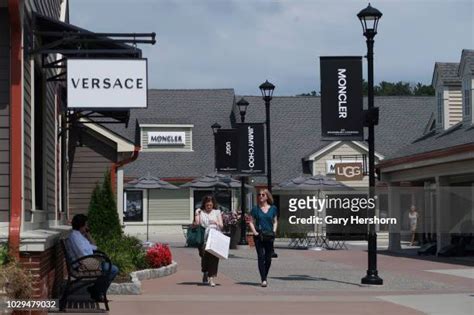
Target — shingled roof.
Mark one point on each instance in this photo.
(199, 107)
(459, 134)
(447, 73)
(467, 61)
(295, 128)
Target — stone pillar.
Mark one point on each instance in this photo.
(443, 221)
(394, 212)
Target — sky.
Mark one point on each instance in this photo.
(241, 43)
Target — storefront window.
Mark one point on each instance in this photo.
(133, 211)
(224, 198)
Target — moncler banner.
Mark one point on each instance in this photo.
(341, 98)
(251, 149)
(227, 150)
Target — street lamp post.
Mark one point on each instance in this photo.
(215, 128)
(267, 92)
(369, 18)
(242, 104)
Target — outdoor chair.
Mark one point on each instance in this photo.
(83, 272)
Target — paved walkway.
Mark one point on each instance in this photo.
(306, 282)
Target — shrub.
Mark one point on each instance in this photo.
(126, 252)
(4, 256)
(16, 281)
(103, 217)
(159, 255)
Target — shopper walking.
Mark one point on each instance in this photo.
(413, 217)
(264, 225)
(209, 218)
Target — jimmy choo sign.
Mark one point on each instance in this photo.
(107, 83)
(166, 138)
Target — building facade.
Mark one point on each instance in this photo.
(297, 148)
(436, 170)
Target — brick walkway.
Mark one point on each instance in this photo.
(303, 282)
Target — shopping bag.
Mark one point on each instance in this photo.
(195, 236)
(218, 244)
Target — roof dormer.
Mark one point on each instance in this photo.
(466, 74)
(447, 85)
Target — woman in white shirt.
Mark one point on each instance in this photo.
(209, 218)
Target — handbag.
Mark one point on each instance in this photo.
(267, 235)
(195, 236)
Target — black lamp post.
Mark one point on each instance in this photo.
(267, 92)
(242, 104)
(215, 128)
(369, 18)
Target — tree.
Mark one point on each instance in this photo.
(312, 93)
(103, 217)
(423, 90)
(385, 88)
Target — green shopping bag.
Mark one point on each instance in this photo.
(195, 236)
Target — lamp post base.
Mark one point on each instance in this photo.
(372, 278)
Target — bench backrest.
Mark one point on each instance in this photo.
(67, 252)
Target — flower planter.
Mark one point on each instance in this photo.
(134, 287)
(234, 236)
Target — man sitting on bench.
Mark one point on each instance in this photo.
(82, 244)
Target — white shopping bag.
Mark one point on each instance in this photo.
(218, 244)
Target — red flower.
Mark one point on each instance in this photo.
(159, 255)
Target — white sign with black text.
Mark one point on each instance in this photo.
(166, 138)
(107, 83)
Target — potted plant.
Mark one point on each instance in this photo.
(231, 227)
(250, 241)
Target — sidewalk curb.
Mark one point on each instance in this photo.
(135, 287)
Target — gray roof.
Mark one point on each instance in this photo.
(467, 59)
(200, 107)
(194, 106)
(448, 72)
(459, 134)
(295, 128)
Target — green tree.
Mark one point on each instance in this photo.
(103, 217)
(312, 93)
(423, 90)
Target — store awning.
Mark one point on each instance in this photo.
(50, 38)
(55, 37)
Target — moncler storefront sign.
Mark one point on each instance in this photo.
(107, 83)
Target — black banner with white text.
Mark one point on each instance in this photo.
(251, 149)
(341, 98)
(227, 150)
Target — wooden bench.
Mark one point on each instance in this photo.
(83, 272)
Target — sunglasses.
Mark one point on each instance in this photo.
(262, 194)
